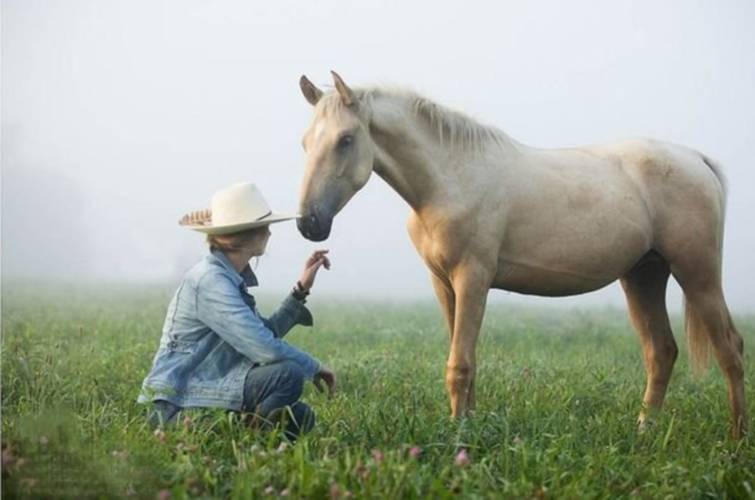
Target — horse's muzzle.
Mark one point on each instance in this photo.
(314, 228)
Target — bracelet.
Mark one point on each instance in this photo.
(299, 292)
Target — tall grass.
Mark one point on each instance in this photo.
(557, 397)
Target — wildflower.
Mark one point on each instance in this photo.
(160, 435)
(187, 422)
(415, 451)
(269, 490)
(541, 492)
(284, 492)
(282, 447)
(337, 492)
(377, 455)
(8, 457)
(43, 440)
(29, 482)
(362, 471)
(462, 459)
(164, 495)
(194, 486)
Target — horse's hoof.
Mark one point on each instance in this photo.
(644, 424)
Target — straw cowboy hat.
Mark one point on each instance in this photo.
(233, 209)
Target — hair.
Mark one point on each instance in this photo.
(235, 241)
(450, 126)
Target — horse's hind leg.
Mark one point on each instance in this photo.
(645, 289)
(697, 268)
(708, 320)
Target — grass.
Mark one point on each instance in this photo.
(558, 393)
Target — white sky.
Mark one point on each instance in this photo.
(117, 117)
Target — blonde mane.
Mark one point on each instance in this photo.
(452, 127)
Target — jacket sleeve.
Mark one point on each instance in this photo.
(291, 312)
(220, 307)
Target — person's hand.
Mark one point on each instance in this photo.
(325, 375)
(311, 266)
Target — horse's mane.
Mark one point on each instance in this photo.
(452, 127)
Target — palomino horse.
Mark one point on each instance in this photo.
(490, 212)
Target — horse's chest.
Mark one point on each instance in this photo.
(435, 243)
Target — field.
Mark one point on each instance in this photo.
(558, 394)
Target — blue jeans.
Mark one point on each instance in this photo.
(271, 394)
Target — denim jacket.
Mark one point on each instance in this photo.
(213, 335)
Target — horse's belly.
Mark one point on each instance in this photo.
(532, 280)
(573, 251)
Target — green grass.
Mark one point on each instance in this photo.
(558, 392)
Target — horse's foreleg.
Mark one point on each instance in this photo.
(471, 289)
(446, 299)
(645, 289)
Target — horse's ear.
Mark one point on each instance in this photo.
(311, 93)
(347, 95)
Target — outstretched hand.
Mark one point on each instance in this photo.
(311, 266)
(325, 375)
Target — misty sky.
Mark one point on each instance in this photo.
(118, 117)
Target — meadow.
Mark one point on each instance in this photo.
(558, 392)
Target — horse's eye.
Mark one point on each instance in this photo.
(345, 141)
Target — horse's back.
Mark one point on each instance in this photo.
(672, 171)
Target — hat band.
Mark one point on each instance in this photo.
(231, 223)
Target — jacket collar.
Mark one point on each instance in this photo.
(246, 277)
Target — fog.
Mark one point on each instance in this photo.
(118, 117)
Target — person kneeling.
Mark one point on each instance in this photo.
(216, 350)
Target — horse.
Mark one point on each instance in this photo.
(491, 212)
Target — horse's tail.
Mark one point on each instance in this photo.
(718, 171)
(698, 341)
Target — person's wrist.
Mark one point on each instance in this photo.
(299, 292)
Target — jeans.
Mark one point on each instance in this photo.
(271, 394)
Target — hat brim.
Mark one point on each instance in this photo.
(235, 228)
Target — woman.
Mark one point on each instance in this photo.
(216, 350)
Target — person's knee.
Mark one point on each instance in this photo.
(290, 381)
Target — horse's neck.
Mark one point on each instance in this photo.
(403, 157)
(405, 166)
(414, 160)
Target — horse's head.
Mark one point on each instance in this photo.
(340, 156)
